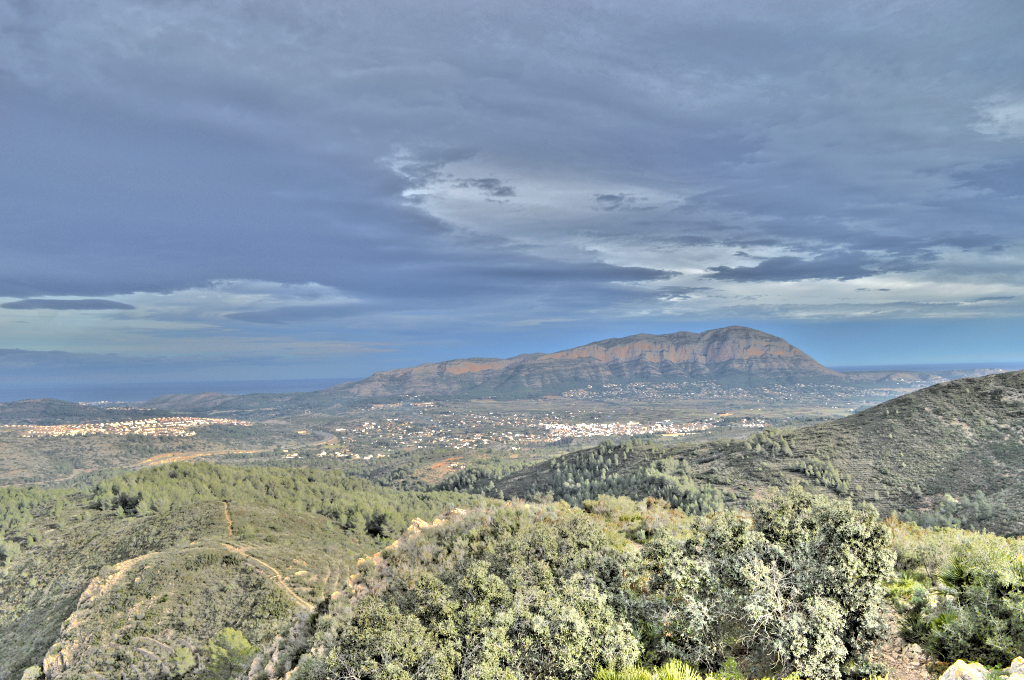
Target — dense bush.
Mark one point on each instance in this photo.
(611, 469)
(973, 511)
(356, 504)
(795, 588)
(558, 592)
(977, 610)
(511, 593)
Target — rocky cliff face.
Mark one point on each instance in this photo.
(733, 355)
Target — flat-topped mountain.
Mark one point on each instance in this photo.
(733, 355)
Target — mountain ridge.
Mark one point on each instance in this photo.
(734, 354)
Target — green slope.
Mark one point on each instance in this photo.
(964, 439)
(153, 563)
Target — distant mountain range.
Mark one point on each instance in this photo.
(731, 356)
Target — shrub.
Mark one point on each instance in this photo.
(557, 593)
(977, 613)
(796, 587)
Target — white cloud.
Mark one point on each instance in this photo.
(1003, 117)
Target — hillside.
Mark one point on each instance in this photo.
(143, 568)
(57, 412)
(964, 439)
(63, 460)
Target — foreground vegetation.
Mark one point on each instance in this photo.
(202, 571)
(960, 593)
(524, 591)
(156, 563)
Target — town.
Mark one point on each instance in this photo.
(177, 426)
(395, 430)
(559, 431)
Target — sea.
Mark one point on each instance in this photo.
(993, 365)
(111, 393)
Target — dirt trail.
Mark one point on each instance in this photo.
(184, 456)
(328, 438)
(228, 518)
(280, 579)
(437, 471)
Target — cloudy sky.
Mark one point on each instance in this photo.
(262, 189)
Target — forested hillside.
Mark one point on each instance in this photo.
(141, 572)
(951, 454)
(202, 571)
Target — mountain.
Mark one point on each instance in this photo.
(733, 355)
(950, 454)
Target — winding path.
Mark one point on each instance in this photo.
(280, 579)
(277, 574)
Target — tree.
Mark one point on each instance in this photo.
(230, 654)
(182, 660)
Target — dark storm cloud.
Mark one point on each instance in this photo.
(1003, 179)
(490, 186)
(611, 201)
(86, 304)
(547, 273)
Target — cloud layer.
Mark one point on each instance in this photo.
(64, 305)
(266, 175)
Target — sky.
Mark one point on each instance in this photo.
(254, 189)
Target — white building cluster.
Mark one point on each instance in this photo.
(558, 431)
(175, 426)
